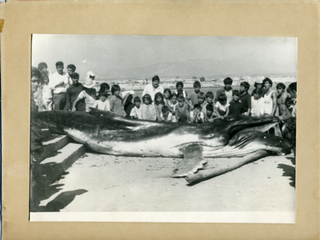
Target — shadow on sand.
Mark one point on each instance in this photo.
(289, 171)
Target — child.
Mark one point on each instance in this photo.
(148, 111)
(47, 95)
(209, 100)
(281, 98)
(158, 104)
(102, 104)
(174, 103)
(196, 116)
(227, 90)
(245, 98)
(181, 111)
(166, 99)
(270, 98)
(257, 103)
(104, 87)
(116, 102)
(210, 115)
(179, 87)
(257, 85)
(128, 105)
(88, 94)
(136, 111)
(166, 115)
(235, 108)
(201, 98)
(193, 98)
(221, 107)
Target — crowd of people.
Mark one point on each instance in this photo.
(63, 91)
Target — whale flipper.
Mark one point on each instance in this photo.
(192, 161)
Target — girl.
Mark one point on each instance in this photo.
(221, 107)
(167, 97)
(158, 104)
(128, 105)
(136, 111)
(116, 102)
(148, 111)
(88, 94)
(102, 104)
(104, 87)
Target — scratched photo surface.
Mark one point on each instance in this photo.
(163, 128)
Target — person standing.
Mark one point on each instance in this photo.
(73, 92)
(153, 88)
(245, 98)
(71, 68)
(227, 90)
(59, 83)
(270, 98)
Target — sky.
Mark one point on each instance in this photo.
(110, 56)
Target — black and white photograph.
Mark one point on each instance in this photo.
(153, 128)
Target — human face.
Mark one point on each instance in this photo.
(259, 85)
(179, 87)
(75, 81)
(70, 70)
(155, 83)
(209, 113)
(159, 99)
(137, 104)
(196, 89)
(167, 95)
(200, 100)
(209, 100)
(235, 98)
(102, 98)
(266, 85)
(60, 69)
(256, 96)
(242, 89)
(291, 94)
(146, 101)
(34, 83)
(280, 91)
(174, 100)
(117, 93)
(180, 103)
(227, 87)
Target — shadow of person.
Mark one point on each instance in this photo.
(289, 171)
(62, 200)
(292, 159)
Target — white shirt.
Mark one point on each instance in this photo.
(55, 79)
(169, 118)
(268, 103)
(229, 95)
(136, 113)
(104, 106)
(201, 115)
(257, 107)
(149, 89)
(46, 92)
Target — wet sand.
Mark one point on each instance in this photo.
(103, 183)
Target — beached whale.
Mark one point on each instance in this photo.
(110, 134)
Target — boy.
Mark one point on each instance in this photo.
(182, 110)
(257, 103)
(281, 98)
(270, 98)
(209, 100)
(103, 103)
(209, 116)
(227, 90)
(201, 98)
(72, 93)
(245, 98)
(165, 115)
(196, 116)
(136, 111)
(235, 108)
(193, 98)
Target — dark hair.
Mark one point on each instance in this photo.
(35, 72)
(167, 90)
(259, 92)
(128, 101)
(156, 78)
(292, 86)
(73, 67)
(236, 93)
(183, 119)
(42, 65)
(246, 85)
(267, 80)
(201, 95)
(256, 84)
(180, 97)
(196, 84)
(209, 95)
(104, 87)
(179, 84)
(227, 80)
(209, 107)
(74, 75)
(115, 88)
(104, 94)
(158, 94)
(173, 95)
(222, 98)
(198, 106)
(59, 64)
(165, 109)
(281, 85)
(136, 99)
(148, 97)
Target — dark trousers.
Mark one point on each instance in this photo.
(59, 101)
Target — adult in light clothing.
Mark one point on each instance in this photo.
(59, 84)
(89, 95)
(153, 88)
(227, 90)
(270, 98)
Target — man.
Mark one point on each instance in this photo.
(281, 98)
(245, 98)
(59, 83)
(227, 90)
(72, 93)
(35, 90)
(153, 88)
(70, 69)
(270, 98)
